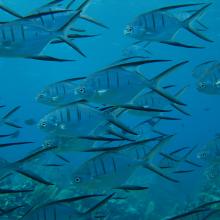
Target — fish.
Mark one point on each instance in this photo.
(210, 152)
(27, 40)
(69, 121)
(208, 77)
(112, 169)
(161, 26)
(105, 86)
(212, 172)
(7, 168)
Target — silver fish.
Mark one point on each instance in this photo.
(112, 169)
(24, 39)
(70, 121)
(106, 86)
(161, 26)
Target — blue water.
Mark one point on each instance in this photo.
(22, 79)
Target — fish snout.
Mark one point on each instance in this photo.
(40, 97)
(128, 30)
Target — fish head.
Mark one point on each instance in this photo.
(45, 96)
(212, 172)
(203, 155)
(133, 31)
(52, 95)
(48, 123)
(207, 87)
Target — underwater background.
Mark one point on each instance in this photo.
(21, 80)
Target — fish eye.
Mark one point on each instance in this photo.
(43, 124)
(82, 90)
(77, 179)
(48, 144)
(129, 28)
(203, 155)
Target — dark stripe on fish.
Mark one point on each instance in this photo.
(22, 32)
(114, 165)
(3, 34)
(117, 80)
(68, 114)
(42, 20)
(103, 166)
(12, 33)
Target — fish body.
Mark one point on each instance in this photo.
(112, 86)
(112, 169)
(26, 39)
(161, 25)
(23, 39)
(52, 21)
(71, 120)
(105, 171)
(154, 26)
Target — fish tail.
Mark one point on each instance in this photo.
(121, 125)
(148, 165)
(63, 36)
(157, 148)
(10, 11)
(6, 117)
(157, 79)
(157, 170)
(187, 23)
(154, 83)
(180, 108)
(69, 5)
